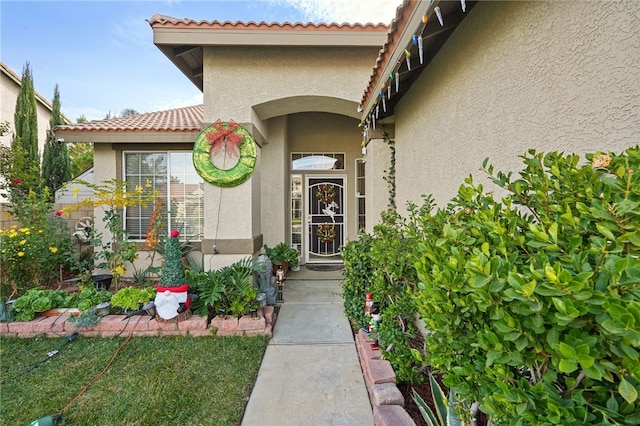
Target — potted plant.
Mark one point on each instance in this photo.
(282, 254)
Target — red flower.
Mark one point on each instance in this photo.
(174, 234)
(59, 213)
(16, 181)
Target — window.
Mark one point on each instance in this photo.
(296, 212)
(179, 187)
(360, 194)
(317, 161)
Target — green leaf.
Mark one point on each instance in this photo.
(605, 231)
(529, 288)
(567, 351)
(628, 391)
(567, 366)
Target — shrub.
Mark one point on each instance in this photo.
(357, 274)
(33, 253)
(534, 300)
(227, 290)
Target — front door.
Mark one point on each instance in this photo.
(325, 218)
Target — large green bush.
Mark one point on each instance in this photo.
(533, 300)
(380, 264)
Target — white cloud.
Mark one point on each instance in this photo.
(196, 99)
(340, 11)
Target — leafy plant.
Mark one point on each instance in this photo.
(132, 298)
(444, 414)
(357, 274)
(33, 253)
(229, 289)
(88, 297)
(533, 300)
(282, 252)
(87, 318)
(39, 299)
(113, 196)
(35, 301)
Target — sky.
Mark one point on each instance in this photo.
(102, 57)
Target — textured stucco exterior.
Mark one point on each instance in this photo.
(10, 90)
(554, 76)
(296, 99)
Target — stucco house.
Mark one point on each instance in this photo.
(450, 82)
(10, 84)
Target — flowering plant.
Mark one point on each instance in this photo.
(326, 193)
(32, 256)
(326, 232)
(113, 196)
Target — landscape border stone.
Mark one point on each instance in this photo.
(56, 325)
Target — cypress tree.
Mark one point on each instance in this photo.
(56, 164)
(26, 118)
(25, 141)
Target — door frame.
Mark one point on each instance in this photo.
(306, 216)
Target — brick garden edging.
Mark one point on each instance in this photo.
(144, 325)
(386, 399)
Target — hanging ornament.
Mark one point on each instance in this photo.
(377, 111)
(425, 18)
(373, 122)
(389, 87)
(439, 15)
(464, 5)
(414, 40)
(407, 56)
(397, 81)
(420, 50)
(384, 103)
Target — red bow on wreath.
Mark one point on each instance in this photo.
(222, 136)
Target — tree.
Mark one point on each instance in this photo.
(26, 121)
(81, 153)
(56, 164)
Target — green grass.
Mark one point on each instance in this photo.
(153, 381)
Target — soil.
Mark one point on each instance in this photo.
(422, 389)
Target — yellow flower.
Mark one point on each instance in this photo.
(118, 270)
(139, 189)
(23, 242)
(148, 184)
(75, 191)
(53, 249)
(23, 230)
(601, 161)
(13, 234)
(20, 253)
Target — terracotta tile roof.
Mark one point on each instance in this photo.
(395, 29)
(158, 20)
(186, 119)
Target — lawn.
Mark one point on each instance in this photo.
(152, 381)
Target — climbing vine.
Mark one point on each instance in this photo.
(390, 178)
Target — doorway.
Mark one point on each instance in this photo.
(325, 213)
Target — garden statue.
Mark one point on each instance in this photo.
(266, 280)
(172, 300)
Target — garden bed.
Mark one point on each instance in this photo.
(54, 324)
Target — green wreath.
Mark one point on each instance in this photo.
(230, 136)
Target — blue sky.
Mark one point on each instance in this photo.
(101, 54)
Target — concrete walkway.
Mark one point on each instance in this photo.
(310, 374)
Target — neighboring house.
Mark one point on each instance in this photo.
(10, 84)
(496, 80)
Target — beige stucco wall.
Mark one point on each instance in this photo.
(285, 93)
(559, 76)
(240, 77)
(10, 91)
